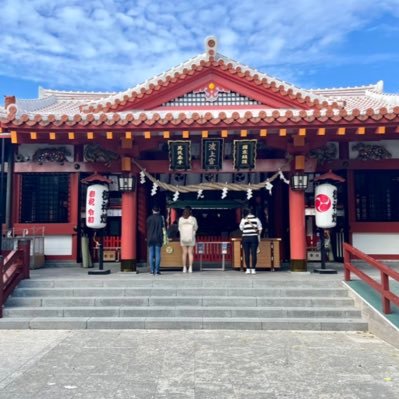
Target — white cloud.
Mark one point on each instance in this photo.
(111, 44)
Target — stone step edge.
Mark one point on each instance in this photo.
(198, 323)
(184, 307)
(339, 298)
(28, 294)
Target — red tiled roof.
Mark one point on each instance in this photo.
(69, 109)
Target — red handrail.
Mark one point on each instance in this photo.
(386, 272)
(14, 267)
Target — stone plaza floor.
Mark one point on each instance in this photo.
(196, 364)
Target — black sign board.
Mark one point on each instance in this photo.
(212, 154)
(244, 154)
(179, 154)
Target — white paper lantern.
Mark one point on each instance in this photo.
(96, 206)
(325, 203)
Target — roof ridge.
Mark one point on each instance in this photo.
(375, 87)
(210, 55)
(43, 90)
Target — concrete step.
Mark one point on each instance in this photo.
(183, 311)
(180, 292)
(144, 301)
(197, 323)
(176, 301)
(176, 282)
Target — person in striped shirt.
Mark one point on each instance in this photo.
(251, 228)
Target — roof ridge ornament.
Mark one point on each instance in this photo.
(211, 46)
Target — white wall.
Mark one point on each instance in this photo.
(58, 245)
(377, 243)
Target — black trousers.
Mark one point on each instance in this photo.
(250, 247)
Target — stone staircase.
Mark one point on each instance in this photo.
(268, 301)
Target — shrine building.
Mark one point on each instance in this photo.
(213, 134)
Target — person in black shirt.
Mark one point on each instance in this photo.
(155, 226)
(251, 228)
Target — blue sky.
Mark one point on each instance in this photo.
(109, 45)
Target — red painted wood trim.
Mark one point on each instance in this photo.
(49, 228)
(374, 227)
(200, 79)
(157, 166)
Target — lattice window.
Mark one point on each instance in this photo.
(45, 198)
(193, 99)
(377, 195)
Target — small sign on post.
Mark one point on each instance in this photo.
(200, 248)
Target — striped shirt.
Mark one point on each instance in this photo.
(250, 226)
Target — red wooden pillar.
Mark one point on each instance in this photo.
(238, 215)
(24, 246)
(129, 232)
(297, 231)
(173, 215)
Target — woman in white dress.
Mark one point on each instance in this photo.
(187, 228)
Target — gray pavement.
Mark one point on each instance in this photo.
(116, 364)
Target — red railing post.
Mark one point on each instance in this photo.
(346, 262)
(1, 286)
(24, 245)
(386, 303)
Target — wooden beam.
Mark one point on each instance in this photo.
(126, 144)
(186, 134)
(299, 162)
(147, 135)
(302, 131)
(109, 135)
(90, 135)
(361, 130)
(204, 134)
(224, 133)
(341, 131)
(14, 137)
(244, 133)
(51, 135)
(71, 135)
(321, 131)
(380, 130)
(299, 141)
(126, 165)
(33, 135)
(263, 132)
(283, 132)
(166, 134)
(128, 135)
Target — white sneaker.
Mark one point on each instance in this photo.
(184, 269)
(253, 271)
(248, 271)
(190, 269)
